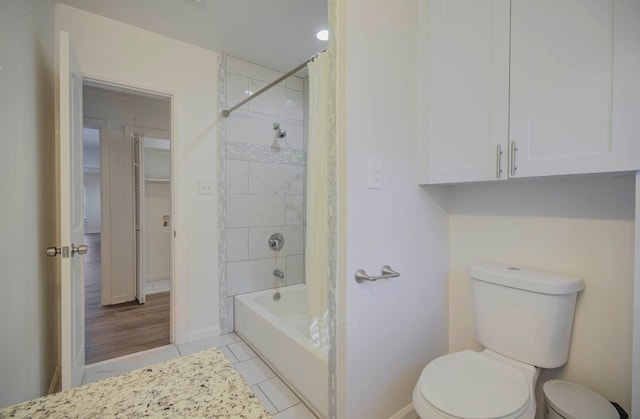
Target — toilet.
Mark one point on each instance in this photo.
(523, 319)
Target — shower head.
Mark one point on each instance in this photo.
(280, 133)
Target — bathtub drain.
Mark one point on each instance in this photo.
(276, 296)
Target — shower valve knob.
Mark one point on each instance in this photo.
(276, 241)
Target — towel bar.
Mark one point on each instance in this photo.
(387, 272)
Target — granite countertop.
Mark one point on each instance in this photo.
(203, 384)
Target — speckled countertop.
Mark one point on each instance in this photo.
(202, 385)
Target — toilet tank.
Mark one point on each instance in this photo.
(524, 314)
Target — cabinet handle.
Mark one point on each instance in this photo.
(498, 161)
(513, 159)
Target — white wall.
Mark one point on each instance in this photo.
(264, 187)
(582, 227)
(92, 201)
(28, 330)
(635, 364)
(123, 54)
(388, 330)
(119, 110)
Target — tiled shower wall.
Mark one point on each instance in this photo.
(264, 187)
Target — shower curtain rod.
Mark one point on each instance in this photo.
(227, 112)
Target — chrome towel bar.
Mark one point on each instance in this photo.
(387, 272)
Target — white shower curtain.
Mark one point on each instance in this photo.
(317, 237)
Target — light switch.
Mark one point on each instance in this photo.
(375, 174)
(205, 187)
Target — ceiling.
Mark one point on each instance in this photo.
(279, 34)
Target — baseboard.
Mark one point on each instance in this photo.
(55, 384)
(406, 413)
(203, 334)
(158, 277)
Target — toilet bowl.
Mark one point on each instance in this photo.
(523, 318)
(472, 384)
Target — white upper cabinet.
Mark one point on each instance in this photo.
(467, 89)
(554, 83)
(575, 101)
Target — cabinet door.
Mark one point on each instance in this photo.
(467, 90)
(575, 98)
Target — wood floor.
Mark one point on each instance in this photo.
(121, 329)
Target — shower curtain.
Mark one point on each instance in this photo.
(317, 237)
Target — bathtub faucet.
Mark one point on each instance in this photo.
(278, 273)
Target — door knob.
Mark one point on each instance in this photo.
(53, 251)
(81, 250)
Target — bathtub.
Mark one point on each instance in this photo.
(279, 332)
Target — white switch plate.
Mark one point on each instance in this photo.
(375, 174)
(205, 187)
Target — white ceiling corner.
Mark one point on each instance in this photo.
(279, 34)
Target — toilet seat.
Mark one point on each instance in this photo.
(472, 385)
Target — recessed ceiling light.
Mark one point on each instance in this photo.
(323, 35)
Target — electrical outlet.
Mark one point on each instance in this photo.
(205, 187)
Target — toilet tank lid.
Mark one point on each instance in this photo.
(525, 278)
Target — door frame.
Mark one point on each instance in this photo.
(104, 183)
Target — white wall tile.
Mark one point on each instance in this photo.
(295, 213)
(259, 238)
(255, 210)
(295, 83)
(237, 180)
(295, 269)
(237, 244)
(295, 133)
(237, 87)
(253, 71)
(250, 128)
(254, 275)
(256, 128)
(269, 178)
(277, 101)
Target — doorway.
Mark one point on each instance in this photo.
(127, 210)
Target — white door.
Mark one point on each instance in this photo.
(138, 171)
(70, 215)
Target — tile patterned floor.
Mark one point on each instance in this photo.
(281, 402)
